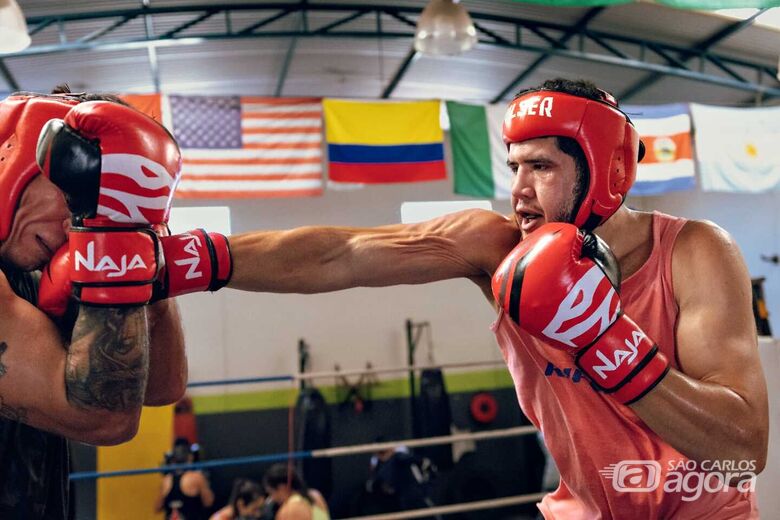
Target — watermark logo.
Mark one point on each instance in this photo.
(688, 478)
(634, 476)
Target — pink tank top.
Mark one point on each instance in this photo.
(587, 432)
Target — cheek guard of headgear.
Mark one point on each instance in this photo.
(21, 119)
(606, 135)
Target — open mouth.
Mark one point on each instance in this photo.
(529, 220)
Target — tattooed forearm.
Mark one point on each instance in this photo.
(108, 359)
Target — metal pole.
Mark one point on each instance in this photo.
(410, 349)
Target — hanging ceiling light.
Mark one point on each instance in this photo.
(13, 29)
(444, 28)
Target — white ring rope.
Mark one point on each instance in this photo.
(357, 372)
(455, 508)
(429, 441)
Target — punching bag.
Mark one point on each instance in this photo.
(435, 416)
(313, 425)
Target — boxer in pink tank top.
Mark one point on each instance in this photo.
(629, 335)
(574, 417)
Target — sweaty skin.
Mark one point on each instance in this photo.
(88, 385)
(715, 407)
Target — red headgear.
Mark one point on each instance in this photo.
(21, 120)
(606, 135)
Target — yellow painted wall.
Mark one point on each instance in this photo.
(120, 498)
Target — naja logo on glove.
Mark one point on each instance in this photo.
(592, 302)
(192, 248)
(106, 263)
(135, 189)
(619, 355)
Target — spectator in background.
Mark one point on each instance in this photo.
(184, 494)
(295, 500)
(399, 479)
(247, 502)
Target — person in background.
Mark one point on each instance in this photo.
(184, 494)
(296, 501)
(401, 479)
(247, 502)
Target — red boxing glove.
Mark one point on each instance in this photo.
(118, 169)
(561, 285)
(55, 289)
(114, 164)
(194, 261)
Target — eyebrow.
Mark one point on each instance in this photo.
(531, 160)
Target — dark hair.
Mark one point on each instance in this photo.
(578, 87)
(282, 474)
(181, 452)
(63, 90)
(246, 490)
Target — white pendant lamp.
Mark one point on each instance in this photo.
(13, 28)
(444, 29)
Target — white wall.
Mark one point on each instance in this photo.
(234, 334)
(753, 221)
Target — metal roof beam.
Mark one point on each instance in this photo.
(186, 25)
(675, 56)
(728, 70)
(40, 25)
(410, 57)
(337, 23)
(8, 77)
(487, 32)
(401, 18)
(262, 23)
(581, 24)
(289, 56)
(102, 32)
(671, 60)
(604, 45)
(700, 47)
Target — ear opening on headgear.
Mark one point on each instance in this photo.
(642, 151)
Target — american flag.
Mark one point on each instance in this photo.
(245, 147)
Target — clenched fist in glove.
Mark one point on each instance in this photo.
(118, 169)
(561, 285)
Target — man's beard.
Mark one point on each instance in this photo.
(569, 209)
(573, 203)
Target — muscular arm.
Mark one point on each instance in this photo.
(90, 391)
(167, 359)
(320, 259)
(715, 406)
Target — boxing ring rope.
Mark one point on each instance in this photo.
(342, 373)
(455, 508)
(312, 454)
(353, 449)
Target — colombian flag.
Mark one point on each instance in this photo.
(382, 142)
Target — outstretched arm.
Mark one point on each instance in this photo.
(319, 259)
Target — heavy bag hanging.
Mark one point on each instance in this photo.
(435, 416)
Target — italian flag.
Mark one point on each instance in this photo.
(478, 152)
